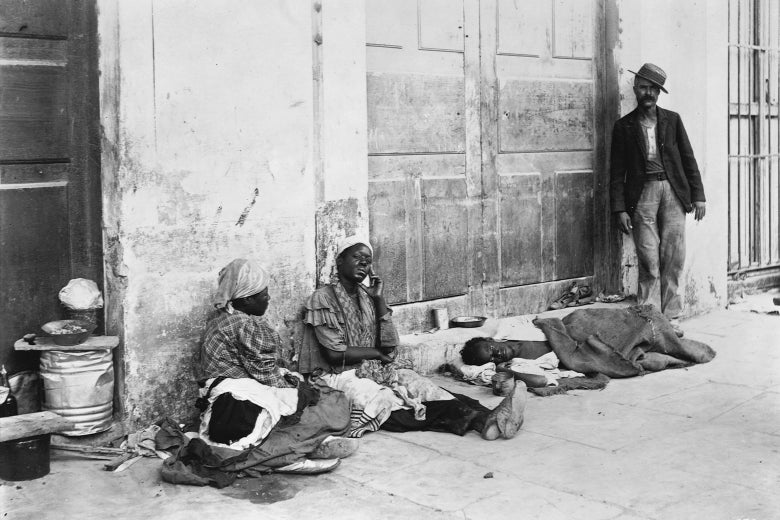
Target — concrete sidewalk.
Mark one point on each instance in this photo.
(702, 442)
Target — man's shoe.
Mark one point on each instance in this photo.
(310, 467)
(335, 448)
(566, 298)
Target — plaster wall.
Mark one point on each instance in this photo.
(207, 146)
(340, 127)
(689, 41)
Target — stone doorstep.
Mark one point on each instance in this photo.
(430, 350)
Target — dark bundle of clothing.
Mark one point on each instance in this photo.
(621, 342)
(233, 419)
(320, 414)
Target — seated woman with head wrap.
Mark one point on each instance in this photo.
(247, 399)
(349, 344)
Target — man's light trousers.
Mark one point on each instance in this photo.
(659, 236)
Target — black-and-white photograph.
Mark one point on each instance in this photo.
(390, 259)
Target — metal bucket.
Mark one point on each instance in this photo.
(25, 459)
(79, 386)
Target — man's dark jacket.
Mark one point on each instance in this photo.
(628, 156)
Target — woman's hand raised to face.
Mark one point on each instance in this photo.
(376, 291)
(375, 287)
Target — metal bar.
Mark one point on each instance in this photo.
(754, 156)
(752, 134)
(729, 65)
(761, 131)
(751, 47)
(744, 106)
(754, 269)
(774, 43)
(734, 108)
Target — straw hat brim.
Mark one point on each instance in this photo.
(649, 79)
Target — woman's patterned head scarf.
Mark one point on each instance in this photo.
(240, 278)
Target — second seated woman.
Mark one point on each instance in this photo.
(349, 344)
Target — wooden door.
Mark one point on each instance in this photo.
(482, 146)
(49, 162)
(543, 175)
(423, 143)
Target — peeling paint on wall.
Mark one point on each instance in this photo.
(334, 220)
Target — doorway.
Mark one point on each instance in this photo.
(484, 139)
(49, 163)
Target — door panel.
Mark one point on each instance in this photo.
(34, 124)
(574, 224)
(35, 17)
(545, 115)
(521, 219)
(520, 29)
(441, 25)
(49, 162)
(413, 113)
(572, 29)
(388, 212)
(445, 230)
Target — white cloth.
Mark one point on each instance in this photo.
(519, 328)
(240, 278)
(275, 403)
(372, 399)
(546, 365)
(478, 374)
(347, 242)
(416, 390)
(652, 148)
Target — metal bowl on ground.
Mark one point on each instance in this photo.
(468, 322)
(69, 332)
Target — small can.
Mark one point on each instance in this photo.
(441, 318)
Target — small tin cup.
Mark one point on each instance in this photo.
(503, 383)
(441, 318)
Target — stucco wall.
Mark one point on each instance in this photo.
(228, 129)
(689, 41)
(207, 143)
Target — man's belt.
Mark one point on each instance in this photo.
(657, 176)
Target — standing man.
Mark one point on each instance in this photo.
(654, 182)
